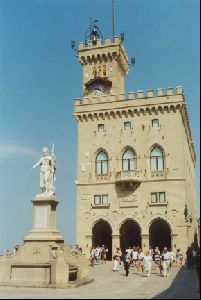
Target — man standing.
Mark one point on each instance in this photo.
(127, 261)
(166, 260)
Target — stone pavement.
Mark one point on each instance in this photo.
(182, 284)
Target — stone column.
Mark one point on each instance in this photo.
(115, 242)
(145, 241)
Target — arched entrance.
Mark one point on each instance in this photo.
(130, 235)
(102, 235)
(160, 234)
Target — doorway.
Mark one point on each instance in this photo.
(130, 235)
(160, 234)
(102, 235)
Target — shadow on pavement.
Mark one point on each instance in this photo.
(184, 286)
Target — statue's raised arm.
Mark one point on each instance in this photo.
(36, 165)
(47, 171)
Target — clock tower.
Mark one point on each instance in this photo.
(104, 65)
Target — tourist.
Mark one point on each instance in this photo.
(194, 254)
(171, 258)
(140, 257)
(127, 261)
(189, 258)
(151, 251)
(179, 258)
(134, 258)
(166, 260)
(117, 258)
(129, 252)
(6, 252)
(78, 250)
(104, 252)
(157, 259)
(15, 249)
(92, 256)
(98, 254)
(147, 263)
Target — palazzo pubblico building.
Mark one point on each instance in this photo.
(135, 157)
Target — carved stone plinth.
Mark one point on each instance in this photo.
(44, 220)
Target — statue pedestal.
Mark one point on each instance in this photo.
(44, 260)
(44, 220)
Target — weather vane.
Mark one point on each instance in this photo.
(93, 33)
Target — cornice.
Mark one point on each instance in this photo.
(128, 111)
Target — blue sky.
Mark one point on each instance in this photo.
(40, 77)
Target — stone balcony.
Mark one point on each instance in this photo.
(128, 179)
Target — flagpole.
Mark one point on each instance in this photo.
(113, 20)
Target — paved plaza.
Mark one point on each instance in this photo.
(182, 284)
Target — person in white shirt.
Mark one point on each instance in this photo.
(166, 260)
(171, 258)
(129, 252)
(147, 264)
(98, 254)
(117, 259)
(135, 253)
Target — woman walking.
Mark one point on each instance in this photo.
(117, 258)
(147, 264)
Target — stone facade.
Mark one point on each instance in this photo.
(114, 187)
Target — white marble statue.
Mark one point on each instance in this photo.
(47, 165)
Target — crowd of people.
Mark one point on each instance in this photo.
(143, 262)
(98, 254)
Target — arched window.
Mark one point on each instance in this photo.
(129, 160)
(157, 159)
(102, 163)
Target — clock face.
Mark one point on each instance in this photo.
(98, 89)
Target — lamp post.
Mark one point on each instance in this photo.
(188, 219)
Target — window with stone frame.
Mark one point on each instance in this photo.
(129, 160)
(101, 199)
(157, 159)
(162, 198)
(158, 197)
(127, 125)
(154, 198)
(97, 200)
(102, 163)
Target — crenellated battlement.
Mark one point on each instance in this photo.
(104, 52)
(100, 43)
(156, 93)
(140, 94)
